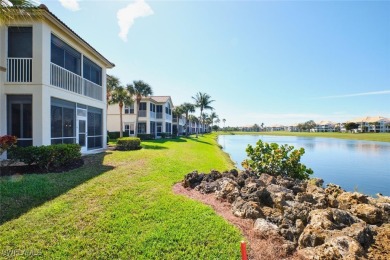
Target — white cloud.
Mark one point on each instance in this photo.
(127, 15)
(72, 5)
(384, 92)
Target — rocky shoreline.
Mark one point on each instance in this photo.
(314, 222)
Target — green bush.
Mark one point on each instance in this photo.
(128, 143)
(50, 157)
(115, 135)
(145, 137)
(276, 160)
(166, 135)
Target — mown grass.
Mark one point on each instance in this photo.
(120, 205)
(379, 137)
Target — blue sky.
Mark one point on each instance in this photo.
(262, 61)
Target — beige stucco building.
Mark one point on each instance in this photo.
(52, 84)
(155, 116)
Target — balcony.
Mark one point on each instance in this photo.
(152, 114)
(19, 69)
(159, 115)
(142, 113)
(70, 81)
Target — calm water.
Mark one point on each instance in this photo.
(354, 165)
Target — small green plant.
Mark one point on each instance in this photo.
(276, 160)
(128, 143)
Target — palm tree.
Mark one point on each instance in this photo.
(187, 108)
(112, 83)
(177, 112)
(194, 119)
(203, 101)
(121, 96)
(213, 116)
(224, 121)
(24, 9)
(139, 89)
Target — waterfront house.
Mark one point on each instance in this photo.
(275, 127)
(155, 117)
(324, 126)
(52, 84)
(376, 124)
(179, 124)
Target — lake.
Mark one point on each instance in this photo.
(362, 166)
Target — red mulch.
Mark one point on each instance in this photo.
(258, 247)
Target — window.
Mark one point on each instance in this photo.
(95, 129)
(65, 56)
(152, 107)
(63, 114)
(129, 128)
(159, 111)
(159, 128)
(20, 42)
(168, 128)
(142, 128)
(152, 128)
(142, 106)
(91, 71)
(19, 118)
(129, 109)
(168, 109)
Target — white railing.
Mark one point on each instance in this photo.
(159, 115)
(152, 114)
(19, 69)
(168, 117)
(70, 81)
(92, 90)
(142, 113)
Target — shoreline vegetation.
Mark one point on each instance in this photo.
(377, 137)
(120, 204)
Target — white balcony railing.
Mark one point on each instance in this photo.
(168, 117)
(19, 69)
(70, 81)
(142, 113)
(159, 115)
(152, 114)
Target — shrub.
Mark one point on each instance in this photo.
(128, 143)
(145, 137)
(165, 135)
(276, 160)
(50, 157)
(115, 135)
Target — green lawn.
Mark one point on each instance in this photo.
(119, 205)
(380, 137)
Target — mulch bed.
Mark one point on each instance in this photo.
(34, 169)
(259, 247)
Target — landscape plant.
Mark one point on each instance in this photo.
(276, 160)
(47, 157)
(128, 143)
(7, 142)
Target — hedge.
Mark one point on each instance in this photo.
(128, 143)
(145, 136)
(50, 157)
(115, 135)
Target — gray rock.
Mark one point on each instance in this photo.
(244, 209)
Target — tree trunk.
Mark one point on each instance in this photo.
(120, 119)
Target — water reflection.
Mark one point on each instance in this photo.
(353, 164)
